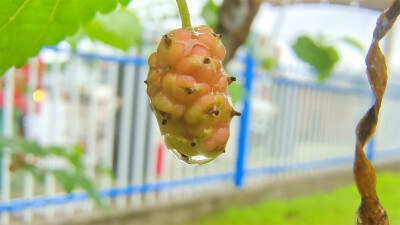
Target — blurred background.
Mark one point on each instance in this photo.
(79, 114)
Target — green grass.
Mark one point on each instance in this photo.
(337, 207)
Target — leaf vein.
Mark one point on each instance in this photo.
(48, 22)
(12, 18)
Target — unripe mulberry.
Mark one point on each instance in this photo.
(187, 86)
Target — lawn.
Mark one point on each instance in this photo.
(337, 207)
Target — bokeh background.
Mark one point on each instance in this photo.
(77, 127)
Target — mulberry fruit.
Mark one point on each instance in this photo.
(187, 86)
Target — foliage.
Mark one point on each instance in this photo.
(321, 208)
(319, 56)
(29, 156)
(27, 25)
(120, 29)
(354, 43)
(268, 63)
(210, 14)
(236, 92)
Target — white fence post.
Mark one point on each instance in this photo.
(8, 111)
(30, 113)
(109, 128)
(139, 129)
(125, 133)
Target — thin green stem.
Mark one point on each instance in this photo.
(184, 12)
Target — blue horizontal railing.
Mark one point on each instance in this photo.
(37, 202)
(138, 61)
(385, 154)
(301, 166)
(20, 204)
(393, 92)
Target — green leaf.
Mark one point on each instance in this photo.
(322, 58)
(268, 63)
(74, 39)
(68, 181)
(67, 178)
(89, 187)
(124, 2)
(120, 28)
(86, 10)
(75, 158)
(27, 25)
(236, 92)
(38, 174)
(106, 170)
(210, 14)
(19, 145)
(355, 43)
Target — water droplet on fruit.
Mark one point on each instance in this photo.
(197, 159)
(190, 151)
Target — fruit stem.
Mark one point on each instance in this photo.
(184, 12)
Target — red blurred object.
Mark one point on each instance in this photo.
(159, 159)
(21, 77)
(19, 100)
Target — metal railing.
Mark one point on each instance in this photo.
(289, 123)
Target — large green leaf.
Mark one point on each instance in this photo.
(120, 28)
(27, 25)
(319, 56)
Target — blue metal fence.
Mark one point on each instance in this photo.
(262, 152)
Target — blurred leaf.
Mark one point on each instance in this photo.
(124, 2)
(87, 10)
(68, 181)
(210, 14)
(268, 63)
(322, 58)
(355, 43)
(21, 149)
(27, 25)
(89, 187)
(236, 91)
(74, 39)
(106, 170)
(120, 28)
(19, 145)
(75, 157)
(38, 174)
(58, 151)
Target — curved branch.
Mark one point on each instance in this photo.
(235, 19)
